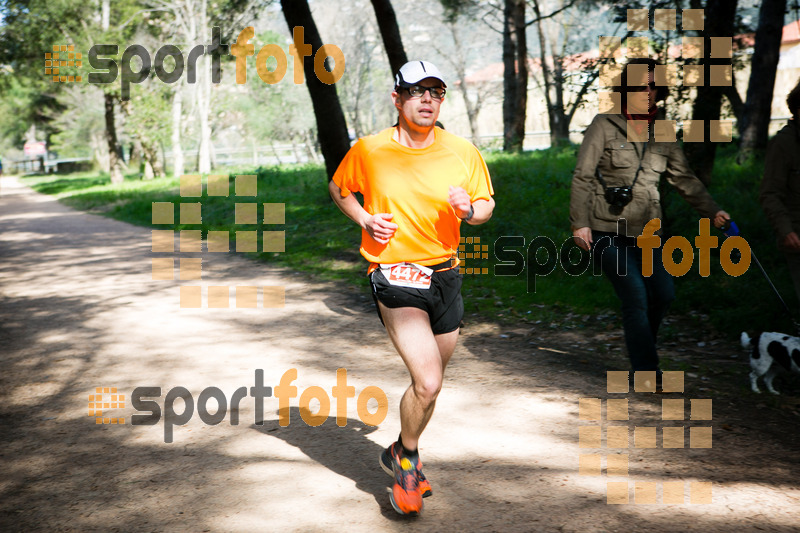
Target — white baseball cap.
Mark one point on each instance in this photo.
(416, 71)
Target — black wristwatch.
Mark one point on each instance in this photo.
(471, 213)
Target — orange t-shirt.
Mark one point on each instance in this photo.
(413, 185)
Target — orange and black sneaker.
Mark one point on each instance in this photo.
(406, 497)
(424, 484)
(386, 464)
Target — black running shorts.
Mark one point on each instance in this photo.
(442, 300)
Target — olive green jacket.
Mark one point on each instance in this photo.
(780, 188)
(605, 148)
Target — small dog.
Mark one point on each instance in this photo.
(768, 349)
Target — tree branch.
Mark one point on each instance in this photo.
(551, 15)
(581, 93)
(737, 105)
(122, 26)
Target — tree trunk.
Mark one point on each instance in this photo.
(522, 73)
(308, 141)
(151, 160)
(136, 155)
(177, 150)
(100, 155)
(737, 105)
(754, 129)
(553, 74)
(331, 125)
(550, 83)
(552, 64)
(105, 14)
(390, 33)
(559, 124)
(709, 97)
(114, 162)
(204, 96)
(472, 115)
(509, 76)
(295, 150)
(275, 152)
(515, 75)
(147, 172)
(458, 62)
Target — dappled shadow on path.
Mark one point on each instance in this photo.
(106, 320)
(346, 451)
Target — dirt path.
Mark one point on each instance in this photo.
(78, 310)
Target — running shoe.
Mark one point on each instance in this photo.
(386, 464)
(405, 496)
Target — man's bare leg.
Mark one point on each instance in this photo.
(426, 355)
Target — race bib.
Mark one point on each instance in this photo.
(408, 275)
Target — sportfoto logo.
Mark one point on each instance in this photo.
(143, 400)
(109, 69)
(542, 256)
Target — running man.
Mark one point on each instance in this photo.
(419, 183)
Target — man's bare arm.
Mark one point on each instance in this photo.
(379, 226)
(460, 201)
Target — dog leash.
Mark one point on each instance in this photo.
(730, 229)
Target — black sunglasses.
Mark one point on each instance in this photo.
(416, 91)
(642, 88)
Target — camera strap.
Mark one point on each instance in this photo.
(638, 170)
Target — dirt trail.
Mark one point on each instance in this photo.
(78, 310)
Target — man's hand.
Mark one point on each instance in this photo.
(380, 228)
(792, 242)
(721, 218)
(460, 201)
(583, 238)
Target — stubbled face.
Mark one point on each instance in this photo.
(421, 111)
(641, 98)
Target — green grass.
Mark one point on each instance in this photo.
(739, 303)
(532, 195)
(319, 239)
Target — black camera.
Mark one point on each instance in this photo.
(619, 197)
